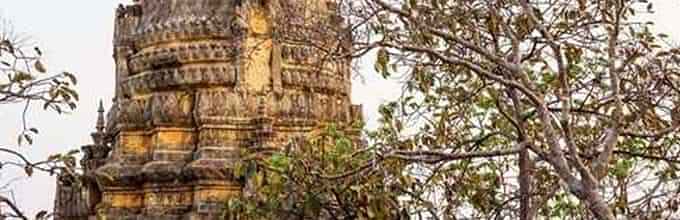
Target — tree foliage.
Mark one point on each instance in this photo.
(510, 109)
(317, 177)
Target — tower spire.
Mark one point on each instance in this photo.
(100, 117)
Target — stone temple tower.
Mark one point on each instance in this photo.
(199, 82)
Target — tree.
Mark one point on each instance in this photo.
(510, 109)
(25, 80)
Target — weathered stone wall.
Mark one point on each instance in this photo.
(198, 82)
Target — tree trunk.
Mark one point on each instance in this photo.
(525, 185)
(598, 206)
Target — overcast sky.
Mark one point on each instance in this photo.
(76, 36)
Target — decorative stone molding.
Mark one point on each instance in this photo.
(124, 11)
(114, 174)
(207, 51)
(182, 77)
(197, 29)
(127, 19)
(94, 156)
(172, 21)
(170, 109)
(199, 83)
(306, 79)
(134, 113)
(209, 169)
(224, 106)
(168, 199)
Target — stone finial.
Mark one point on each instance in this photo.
(98, 135)
(100, 118)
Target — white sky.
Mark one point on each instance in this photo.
(76, 36)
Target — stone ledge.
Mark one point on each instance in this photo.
(222, 74)
(210, 51)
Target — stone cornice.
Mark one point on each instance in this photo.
(222, 74)
(208, 51)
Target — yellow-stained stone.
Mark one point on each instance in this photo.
(259, 50)
(123, 199)
(174, 139)
(258, 72)
(215, 193)
(168, 199)
(258, 21)
(224, 135)
(277, 90)
(136, 143)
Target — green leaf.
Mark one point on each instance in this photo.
(343, 146)
(258, 179)
(312, 203)
(239, 170)
(622, 168)
(279, 162)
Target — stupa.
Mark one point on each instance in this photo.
(198, 83)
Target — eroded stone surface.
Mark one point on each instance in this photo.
(197, 83)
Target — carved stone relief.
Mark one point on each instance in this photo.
(200, 82)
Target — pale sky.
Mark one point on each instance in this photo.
(76, 36)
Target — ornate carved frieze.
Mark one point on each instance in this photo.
(112, 120)
(209, 169)
(134, 113)
(171, 109)
(173, 139)
(115, 174)
(294, 107)
(127, 19)
(94, 156)
(215, 191)
(167, 199)
(133, 147)
(182, 78)
(176, 20)
(124, 198)
(184, 53)
(225, 138)
(199, 83)
(225, 106)
(156, 35)
(310, 57)
(308, 78)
